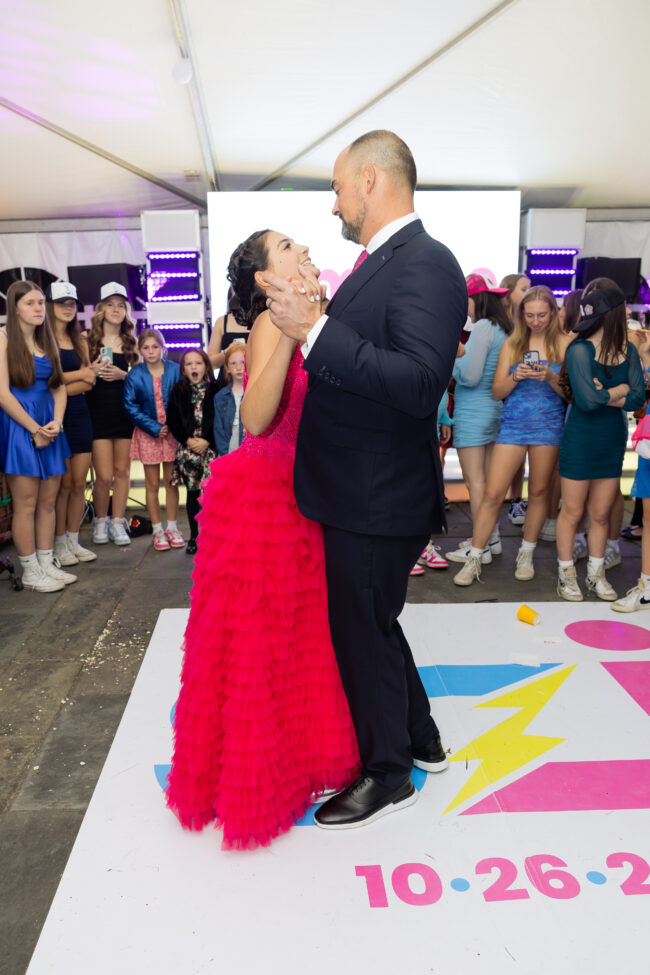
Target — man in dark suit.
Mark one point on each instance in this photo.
(367, 459)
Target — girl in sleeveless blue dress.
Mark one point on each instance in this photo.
(527, 380)
(33, 446)
(79, 377)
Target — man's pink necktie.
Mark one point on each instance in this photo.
(360, 259)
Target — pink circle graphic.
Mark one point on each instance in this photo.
(609, 635)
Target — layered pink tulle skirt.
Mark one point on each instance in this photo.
(261, 720)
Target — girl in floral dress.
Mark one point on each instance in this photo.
(190, 416)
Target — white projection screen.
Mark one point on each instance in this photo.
(481, 228)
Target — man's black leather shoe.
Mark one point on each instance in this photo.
(363, 802)
(432, 758)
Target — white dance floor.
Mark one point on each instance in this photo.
(529, 855)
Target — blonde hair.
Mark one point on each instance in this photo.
(520, 338)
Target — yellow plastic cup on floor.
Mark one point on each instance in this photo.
(528, 615)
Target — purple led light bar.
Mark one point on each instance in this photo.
(551, 270)
(554, 250)
(178, 298)
(165, 254)
(178, 326)
(173, 274)
(184, 345)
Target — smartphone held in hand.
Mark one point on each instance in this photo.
(106, 353)
(531, 358)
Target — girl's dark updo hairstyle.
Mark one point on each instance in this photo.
(249, 257)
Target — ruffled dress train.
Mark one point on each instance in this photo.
(261, 722)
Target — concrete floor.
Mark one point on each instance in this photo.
(68, 661)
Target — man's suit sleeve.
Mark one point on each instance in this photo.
(425, 313)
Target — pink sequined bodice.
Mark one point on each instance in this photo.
(279, 438)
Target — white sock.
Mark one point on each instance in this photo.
(74, 537)
(30, 560)
(613, 543)
(103, 518)
(527, 546)
(580, 537)
(44, 554)
(172, 526)
(478, 552)
(59, 541)
(157, 527)
(564, 565)
(644, 579)
(594, 564)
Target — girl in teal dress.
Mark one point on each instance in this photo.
(606, 380)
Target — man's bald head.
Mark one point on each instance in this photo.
(387, 152)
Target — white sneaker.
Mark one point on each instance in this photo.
(635, 599)
(100, 531)
(63, 555)
(462, 553)
(81, 554)
(54, 571)
(580, 550)
(34, 577)
(470, 572)
(567, 584)
(524, 569)
(548, 532)
(117, 531)
(612, 557)
(494, 545)
(598, 584)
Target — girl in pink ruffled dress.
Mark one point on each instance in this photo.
(261, 722)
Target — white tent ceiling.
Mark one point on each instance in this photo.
(547, 97)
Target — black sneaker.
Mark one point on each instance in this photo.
(432, 758)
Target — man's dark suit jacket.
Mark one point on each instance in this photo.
(367, 458)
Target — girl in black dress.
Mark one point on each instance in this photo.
(112, 331)
(79, 377)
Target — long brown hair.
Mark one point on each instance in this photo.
(520, 338)
(614, 324)
(127, 334)
(510, 282)
(72, 330)
(22, 373)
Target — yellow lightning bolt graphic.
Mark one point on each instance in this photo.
(505, 748)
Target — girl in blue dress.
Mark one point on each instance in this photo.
(33, 446)
(527, 380)
(79, 377)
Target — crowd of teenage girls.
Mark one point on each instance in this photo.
(555, 384)
(71, 398)
(532, 380)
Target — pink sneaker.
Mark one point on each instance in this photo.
(417, 570)
(435, 559)
(425, 554)
(160, 542)
(175, 538)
